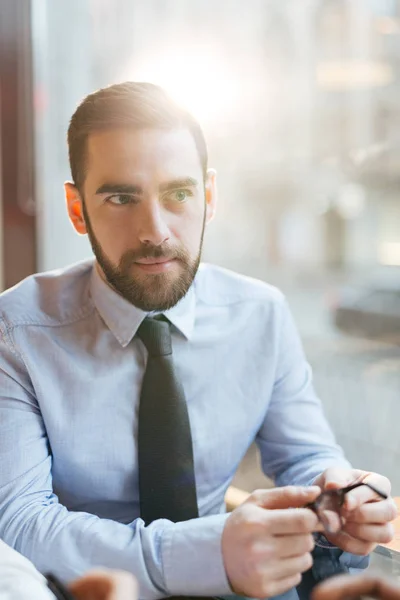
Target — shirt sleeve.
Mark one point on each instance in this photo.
(167, 558)
(19, 580)
(295, 440)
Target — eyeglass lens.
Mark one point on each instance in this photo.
(328, 508)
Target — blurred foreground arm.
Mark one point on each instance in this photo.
(105, 585)
(348, 587)
(20, 580)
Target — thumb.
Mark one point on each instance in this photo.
(336, 478)
(285, 497)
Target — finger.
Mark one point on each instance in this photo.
(374, 512)
(287, 546)
(354, 586)
(358, 497)
(275, 588)
(364, 494)
(338, 477)
(290, 566)
(331, 520)
(380, 534)
(285, 497)
(381, 482)
(292, 521)
(349, 544)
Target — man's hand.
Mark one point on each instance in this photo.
(267, 541)
(367, 521)
(349, 587)
(105, 585)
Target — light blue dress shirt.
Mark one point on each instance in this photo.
(70, 377)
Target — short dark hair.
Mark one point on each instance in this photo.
(130, 104)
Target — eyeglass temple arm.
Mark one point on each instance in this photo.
(371, 487)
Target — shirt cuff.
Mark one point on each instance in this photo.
(192, 557)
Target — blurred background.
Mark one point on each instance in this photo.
(300, 103)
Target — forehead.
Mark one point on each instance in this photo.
(147, 154)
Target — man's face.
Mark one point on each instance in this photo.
(145, 207)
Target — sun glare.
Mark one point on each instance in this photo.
(199, 79)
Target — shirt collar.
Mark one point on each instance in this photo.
(123, 318)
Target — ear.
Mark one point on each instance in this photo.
(74, 207)
(211, 194)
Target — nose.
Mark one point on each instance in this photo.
(153, 228)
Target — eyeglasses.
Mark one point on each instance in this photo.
(328, 505)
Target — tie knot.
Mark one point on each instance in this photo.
(156, 336)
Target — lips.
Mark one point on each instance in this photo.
(154, 261)
(161, 264)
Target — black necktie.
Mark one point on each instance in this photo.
(166, 472)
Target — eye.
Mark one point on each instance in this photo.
(180, 196)
(120, 199)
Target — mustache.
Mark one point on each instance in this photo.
(162, 251)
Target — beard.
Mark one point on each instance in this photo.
(154, 292)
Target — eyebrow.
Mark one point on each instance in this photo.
(119, 188)
(128, 188)
(178, 183)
